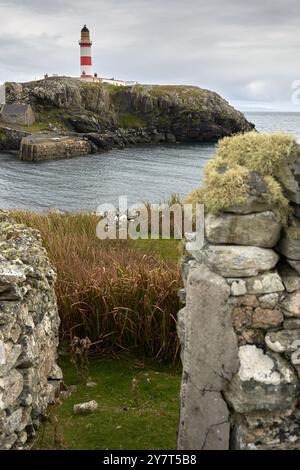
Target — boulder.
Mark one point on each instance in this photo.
(263, 382)
(85, 408)
(291, 305)
(237, 261)
(261, 229)
(284, 341)
(82, 123)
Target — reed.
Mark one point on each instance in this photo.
(117, 294)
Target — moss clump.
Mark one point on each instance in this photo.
(264, 153)
(227, 176)
(3, 136)
(224, 187)
(276, 198)
(128, 121)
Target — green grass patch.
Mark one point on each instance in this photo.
(43, 119)
(121, 421)
(168, 250)
(129, 121)
(3, 136)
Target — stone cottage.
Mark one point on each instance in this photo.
(14, 113)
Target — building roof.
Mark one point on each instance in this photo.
(85, 29)
(15, 108)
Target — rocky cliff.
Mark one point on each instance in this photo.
(182, 113)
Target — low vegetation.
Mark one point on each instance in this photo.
(130, 121)
(227, 177)
(121, 294)
(47, 121)
(141, 417)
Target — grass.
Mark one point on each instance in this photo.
(121, 293)
(130, 121)
(120, 422)
(3, 136)
(54, 117)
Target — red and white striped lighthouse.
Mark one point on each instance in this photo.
(85, 53)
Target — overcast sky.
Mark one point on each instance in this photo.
(248, 51)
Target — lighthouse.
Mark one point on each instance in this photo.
(85, 53)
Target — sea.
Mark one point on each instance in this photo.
(143, 173)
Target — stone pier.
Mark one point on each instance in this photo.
(48, 147)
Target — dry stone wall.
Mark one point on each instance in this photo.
(240, 331)
(29, 374)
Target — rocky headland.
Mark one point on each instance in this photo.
(114, 117)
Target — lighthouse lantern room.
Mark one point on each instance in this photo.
(85, 53)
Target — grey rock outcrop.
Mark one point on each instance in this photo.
(85, 408)
(182, 113)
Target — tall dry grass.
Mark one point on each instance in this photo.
(112, 292)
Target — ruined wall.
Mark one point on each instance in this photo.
(240, 329)
(29, 375)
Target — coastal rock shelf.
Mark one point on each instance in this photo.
(108, 116)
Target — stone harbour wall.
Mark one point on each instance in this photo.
(240, 331)
(29, 322)
(41, 147)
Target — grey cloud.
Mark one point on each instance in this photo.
(247, 51)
